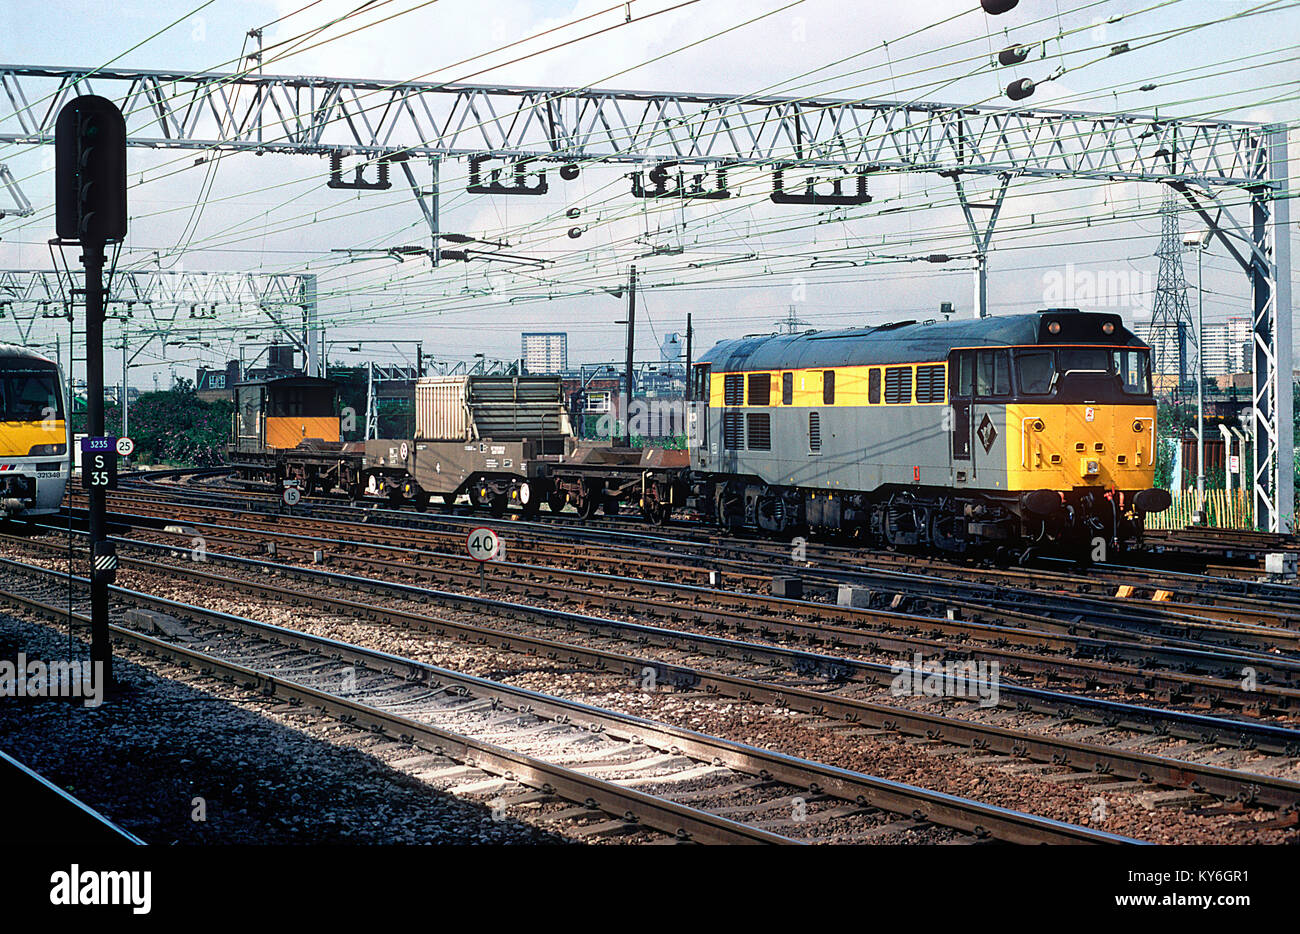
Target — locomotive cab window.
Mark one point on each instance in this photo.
(961, 371)
(1035, 371)
(828, 387)
(873, 386)
(701, 389)
(787, 389)
(1134, 370)
(993, 373)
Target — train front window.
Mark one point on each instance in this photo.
(1034, 369)
(30, 394)
(1043, 372)
(1082, 360)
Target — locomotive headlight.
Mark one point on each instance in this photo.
(1137, 425)
(1054, 328)
(1090, 467)
(1108, 327)
(47, 450)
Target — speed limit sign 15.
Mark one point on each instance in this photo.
(483, 544)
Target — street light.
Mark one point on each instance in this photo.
(1199, 241)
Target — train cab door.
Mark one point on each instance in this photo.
(961, 389)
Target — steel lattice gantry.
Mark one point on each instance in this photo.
(306, 115)
(172, 301)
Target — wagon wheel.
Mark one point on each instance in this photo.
(556, 501)
(656, 512)
(449, 498)
(421, 501)
(497, 504)
(609, 505)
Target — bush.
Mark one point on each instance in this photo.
(174, 427)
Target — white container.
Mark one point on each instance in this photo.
(442, 408)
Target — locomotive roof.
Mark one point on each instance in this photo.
(912, 341)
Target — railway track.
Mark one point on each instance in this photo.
(642, 774)
(1062, 656)
(1165, 558)
(753, 565)
(333, 594)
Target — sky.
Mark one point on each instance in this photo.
(764, 261)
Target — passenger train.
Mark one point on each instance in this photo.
(34, 463)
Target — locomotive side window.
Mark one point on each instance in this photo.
(898, 385)
(873, 386)
(787, 389)
(1034, 370)
(760, 388)
(828, 387)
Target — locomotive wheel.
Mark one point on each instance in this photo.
(556, 501)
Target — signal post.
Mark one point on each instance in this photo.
(90, 207)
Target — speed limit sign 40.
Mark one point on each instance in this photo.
(483, 544)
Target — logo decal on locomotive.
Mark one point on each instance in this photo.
(988, 434)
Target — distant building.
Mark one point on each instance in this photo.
(544, 351)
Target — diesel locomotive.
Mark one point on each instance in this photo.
(1017, 430)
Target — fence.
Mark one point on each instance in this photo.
(1222, 511)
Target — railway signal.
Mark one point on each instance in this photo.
(90, 209)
